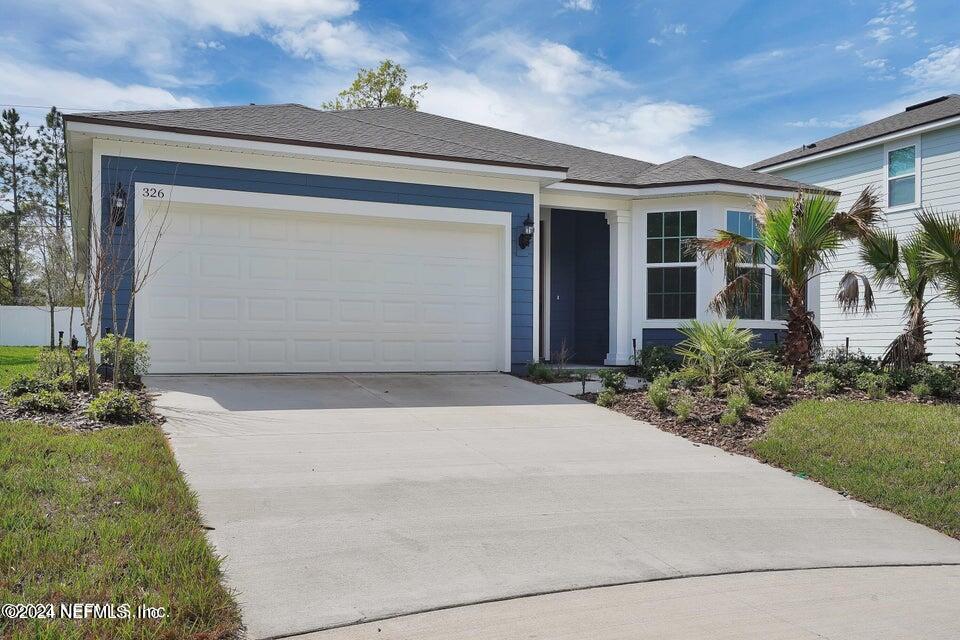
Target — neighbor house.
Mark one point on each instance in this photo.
(912, 159)
(396, 240)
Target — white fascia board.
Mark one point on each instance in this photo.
(661, 192)
(545, 176)
(890, 137)
(595, 190)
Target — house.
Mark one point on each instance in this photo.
(396, 240)
(912, 159)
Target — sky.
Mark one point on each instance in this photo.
(733, 81)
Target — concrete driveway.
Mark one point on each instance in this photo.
(338, 499)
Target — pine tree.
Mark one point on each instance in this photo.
(16, 147)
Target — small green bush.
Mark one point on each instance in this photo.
(751, 387)
(28, 383)
(134, 358)
(874, 384)
(65, 383)
(779, 379)
(845, 367)
(921, 390)
(659, 393)
(51, 363)
(117, 406)
(941, 380)
(540, 372)
(728, 418)
(683, 406)
(613, 379)
(822, 383)
(652, 362)
(719, 351)
(688, 378)
(738, 403)
(46, 401)
(606, 397)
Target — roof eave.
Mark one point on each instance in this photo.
(559, 171)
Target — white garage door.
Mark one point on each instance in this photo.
(241, 290)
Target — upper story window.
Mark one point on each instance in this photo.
(667, 233)
(902, 176)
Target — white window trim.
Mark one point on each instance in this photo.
(669, 322)
(917, 164)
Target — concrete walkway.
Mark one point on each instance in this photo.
(342, 498)
(886, 603)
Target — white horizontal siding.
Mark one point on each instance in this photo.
(940, 189)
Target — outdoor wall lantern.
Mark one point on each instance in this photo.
(118, 205)
(527, 234)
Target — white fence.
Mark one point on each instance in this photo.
(30, 326)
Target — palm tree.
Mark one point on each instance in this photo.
(902, 264)
(797, 239)
(941, 235)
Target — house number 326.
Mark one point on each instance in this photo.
(151, 192)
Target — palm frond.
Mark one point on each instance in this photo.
(848, 293)
(861, 218)
(941, 251)
(734, 294)
(881, 252)
(729, 247)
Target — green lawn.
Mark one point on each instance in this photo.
(105, 517)
(16, 360)
(900, 457)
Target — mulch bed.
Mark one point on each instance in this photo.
(75, 419)
(703, 424)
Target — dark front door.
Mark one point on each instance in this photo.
(579, 285)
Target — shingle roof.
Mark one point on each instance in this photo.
(417, 133)
(923, 113)
(696, 170)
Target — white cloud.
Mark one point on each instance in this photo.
(215, 45)
(655, 41)
(675, 29)
(639, 128)
(881, 35)
(558, 69)
(342, 44)
(940, 69)
(835, 123)
(843, 45)
(32, 84)
(578, 5)
(896, 15)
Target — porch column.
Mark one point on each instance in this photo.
(620, 268)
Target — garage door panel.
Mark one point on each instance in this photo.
(293, 292)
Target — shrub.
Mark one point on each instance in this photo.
(874, 384)
(134, 360)
(921, 390)
(688, 378)
(613, 379)
(51, 363)
(652, 362)
(902, 378)
(779, 379)
(540, 372)
(822, 383)
(606, 397)
(738, 403)
(46, 401)
(116, 405)
(65, 383)
(941, 380)
(683, 406)
(728, 418)
(27, 383)
(659, 393)
(751, 387)
(720, 352)
(845, 367)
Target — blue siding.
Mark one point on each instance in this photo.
(580, 284)
(670, 337)
(127, 171)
